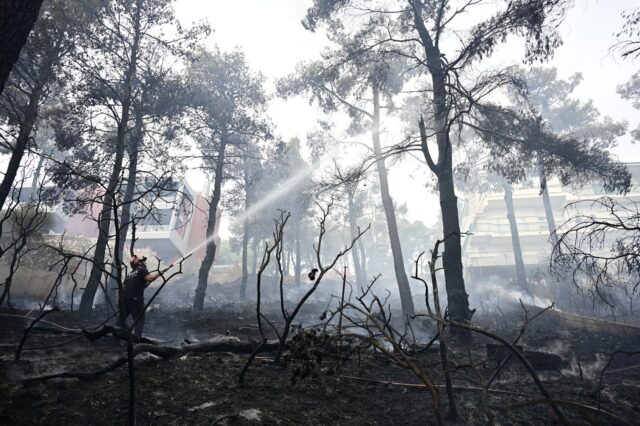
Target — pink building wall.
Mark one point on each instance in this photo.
(198, 231)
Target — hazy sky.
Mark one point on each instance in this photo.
(270, 33)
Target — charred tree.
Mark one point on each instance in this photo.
(17, 17)
(35, 73)
(452, 254)
(389, 211)
(104, 221)
(211, 247)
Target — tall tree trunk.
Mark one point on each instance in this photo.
(363, 259)
(254, 256)
(245, 248)
(17, 153)
(298, 266)
(548, 210)
(17, 17)
(125, 217)
(287, 260)
(457, 297)
(353, 227)
(13, 267)
(521, 277)
(210, 254)
(37, 173)
(396, 250)
(98, 264)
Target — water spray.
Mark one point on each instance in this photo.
(284, 188)
(182, 259)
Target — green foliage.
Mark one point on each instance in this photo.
(553, 99)
(227, 254)
(535, 20)
(631, 91)
(628, 42)
(517, 140)
(344, 77)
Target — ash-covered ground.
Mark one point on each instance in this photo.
(365, 389)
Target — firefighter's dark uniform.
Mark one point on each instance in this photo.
(134, 286)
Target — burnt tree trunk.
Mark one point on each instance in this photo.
(17, 18)
(125, 217)
(86, 303)
(387, 202)
(28, 120)
(457, 297)
(521, 277)
(353, 227)
(6, 294)
(210, 254)
(22, 141)
(126, 221)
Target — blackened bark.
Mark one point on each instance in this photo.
(98, 266)
(17, 18)
(457, 297)
(125, 217)
(24, 136)
(125, 221)
(210, 254)
(30, 115)
(521, 277)
(89, 293)
(396, 250)
(13, 267)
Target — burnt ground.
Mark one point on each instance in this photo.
(202, 388)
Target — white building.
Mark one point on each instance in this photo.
(488, 253)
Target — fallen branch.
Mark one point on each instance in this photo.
(422, 386)
(26, 333)
(573, 404)
(232, 346)
(523, 361)
(164, 352)
(258, 348)
(53, 345)
(225, 417)
(523, 329)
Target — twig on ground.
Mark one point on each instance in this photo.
(26, 333)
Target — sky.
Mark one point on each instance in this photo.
(274, 41)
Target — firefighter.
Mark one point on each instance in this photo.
(134, 285)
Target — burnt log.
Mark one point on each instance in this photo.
(539, 360)
(217, 344)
